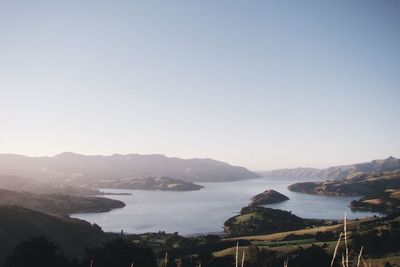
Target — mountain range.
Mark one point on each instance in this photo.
(337, 172)
(81, 169)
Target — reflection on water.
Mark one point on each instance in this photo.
(205, 211)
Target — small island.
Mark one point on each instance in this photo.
(268, 197)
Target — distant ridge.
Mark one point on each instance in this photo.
(81, 169)
(337, 172)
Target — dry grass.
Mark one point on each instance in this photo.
(336, 248)
(282, 235)
(231, 251)
(345, 255)
(395, 194)
(374, 201)
(312, 231)
(237, 253)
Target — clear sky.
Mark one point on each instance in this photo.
(262, 84)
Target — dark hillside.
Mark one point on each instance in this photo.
(72, 235)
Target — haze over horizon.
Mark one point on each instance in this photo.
(264, 85)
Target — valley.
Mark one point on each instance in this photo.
(272, 219)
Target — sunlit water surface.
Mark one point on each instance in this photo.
(206, 210)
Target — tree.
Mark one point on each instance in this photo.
(120, 253)
(312, 256)
(207, 259)
(324, 236)
(37, 251)
(188, 262)
(212, 239)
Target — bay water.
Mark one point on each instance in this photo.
(204, 211)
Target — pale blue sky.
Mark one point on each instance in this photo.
(263, 84)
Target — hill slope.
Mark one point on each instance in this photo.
(354, 185)
(18, 224)
(58, 204)
(24, 184)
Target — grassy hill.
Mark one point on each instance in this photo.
(257, 220)
(386, 201)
